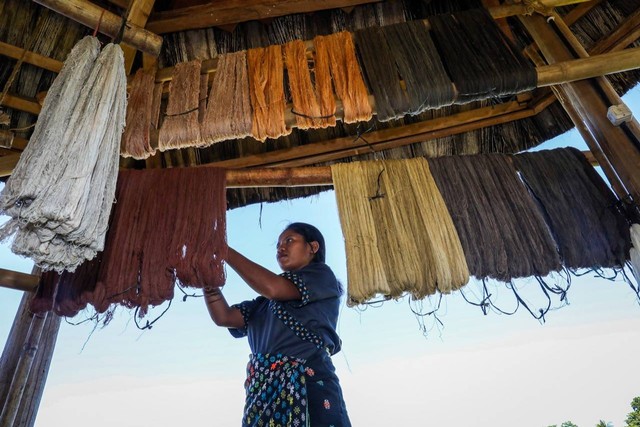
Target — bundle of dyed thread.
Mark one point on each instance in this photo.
(228, 114)
(336, 65)
(136, 140)
(399, 236)
(306, 103)
(181, 127)
(464, 56)
(266, 83)
(502, 232)
(580, 209)
(61, 192)
(403, 53)
(480, 60)
(160, 234)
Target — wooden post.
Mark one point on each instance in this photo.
(32, 395)
(25, 361)
(590, 112)
(19, 381)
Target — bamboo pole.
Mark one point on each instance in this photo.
(588, 67)
(603, 83)
(588, 104)
(108, 23)
(20, 281)
(139, 11)
(596, 155)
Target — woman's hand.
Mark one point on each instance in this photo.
(261, 280)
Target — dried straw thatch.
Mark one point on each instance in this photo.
(61, 214)
(29, 25)
(397, 228)
(180, 127)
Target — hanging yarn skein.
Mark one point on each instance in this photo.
(501, 230)
(337, 65)
(180, 127)
(136, 141)
(159, 235)
(60, 194)
(228, 114)
(266, 83)
(398, 233)
(578, 206)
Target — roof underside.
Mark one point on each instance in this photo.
(28, 25)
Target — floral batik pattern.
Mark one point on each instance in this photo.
(276, 392)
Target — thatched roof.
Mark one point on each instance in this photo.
(38, 29)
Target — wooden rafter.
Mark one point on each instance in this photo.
(30, 57)
(28, 105)
(223, 13)
(626, 33)
(587, 107)
(383, 139)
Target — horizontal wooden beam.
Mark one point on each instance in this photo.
(298, 176)
(19, 281)
(540, 6)
(306, 176)
(222, 13)
(29, 57)
(279, 177)
(585, 68)
(28, 105)
(403, 135)
(8, 163)
(90, 15)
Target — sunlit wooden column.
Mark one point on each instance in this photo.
(611, 145)
(24, 364)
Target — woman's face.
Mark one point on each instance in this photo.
(293, 252)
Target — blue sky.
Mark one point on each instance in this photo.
(475, 370)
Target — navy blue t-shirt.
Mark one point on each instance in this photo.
(295, 328)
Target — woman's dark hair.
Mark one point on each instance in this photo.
(310, 234)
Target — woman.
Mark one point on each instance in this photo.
(291, 328)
